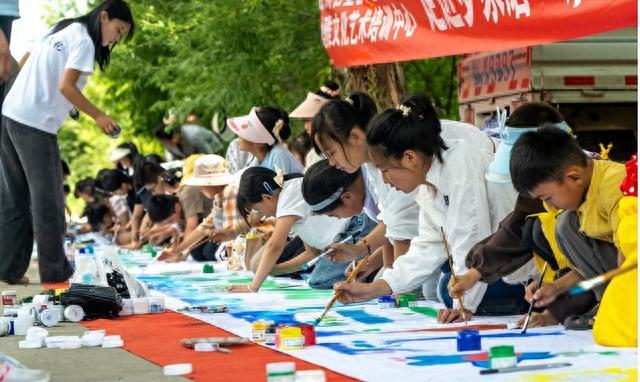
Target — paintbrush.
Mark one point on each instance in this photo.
(587, 285)
(335, 297)
(328, 252)
(533, 300)
(453, 274)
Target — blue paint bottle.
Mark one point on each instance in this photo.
(469, 340)
(386, 302)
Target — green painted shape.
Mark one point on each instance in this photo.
(305, 294)
(241, 280)
(425, 310)
(372, 330)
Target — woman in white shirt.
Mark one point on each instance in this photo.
(270, 194)
(406, 145)
(47, 87)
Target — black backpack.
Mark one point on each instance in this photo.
(96, 301)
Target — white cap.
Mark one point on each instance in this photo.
(112, 343)
(310, 376)
(92, 339)
(178, 369)
(30, 344)
(204, 346)
(71, 344)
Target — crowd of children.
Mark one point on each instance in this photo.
(417, 198)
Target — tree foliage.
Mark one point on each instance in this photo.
(219, 56)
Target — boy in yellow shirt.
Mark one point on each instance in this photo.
(549, 165)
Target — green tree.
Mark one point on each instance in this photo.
(221, 56)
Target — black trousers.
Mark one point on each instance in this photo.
(31, 203)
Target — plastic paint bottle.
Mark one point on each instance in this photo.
(281, 372)
(140, 305)
(290, 338)
(207, 268)
(270, 335)
(156, 304)
(405, 299)
(9, 297)
(6, 326)
(502, 356)
(49, 317)
(469, 340)
(386, 302)
(309, 334)
(258, 329)
(73, 313)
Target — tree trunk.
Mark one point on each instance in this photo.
(383, 82)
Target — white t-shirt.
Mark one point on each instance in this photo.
(119, 205)
(35, 99)
(317, 231)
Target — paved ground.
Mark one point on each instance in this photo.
(86, 364)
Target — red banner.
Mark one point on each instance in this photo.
(361, 32)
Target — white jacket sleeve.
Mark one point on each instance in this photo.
(467, 222)
(426, 253)
(399, 212)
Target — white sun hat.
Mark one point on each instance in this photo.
(118, 153)
(210, 170)
(250, 128)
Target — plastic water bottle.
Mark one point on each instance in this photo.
(68, 251)
(116, 132)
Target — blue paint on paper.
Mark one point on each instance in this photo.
(361, 347)
(361, 316)
(493, 335)
(329, 333)
(435, 360)
(279, 317)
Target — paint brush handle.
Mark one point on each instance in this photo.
(339, 293)
(593, 282)
(329, 251)
(533, 300)
(453, 273)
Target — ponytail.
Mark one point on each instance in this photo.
(336, 118)
(412, 125)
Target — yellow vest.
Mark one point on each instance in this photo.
(617, 319)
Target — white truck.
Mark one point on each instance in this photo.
(592, 80)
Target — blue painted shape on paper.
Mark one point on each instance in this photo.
(361, 316)
(436, 360)
(493, 335)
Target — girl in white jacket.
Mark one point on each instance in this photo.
(448, 175)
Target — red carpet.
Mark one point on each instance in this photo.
(156, 337)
